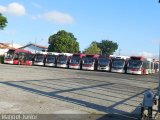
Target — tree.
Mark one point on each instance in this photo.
(92, 49)
(3, 22)
(107, 47)
(63, 41)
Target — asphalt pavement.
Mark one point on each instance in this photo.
(47, 90)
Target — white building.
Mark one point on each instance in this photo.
(34, 48)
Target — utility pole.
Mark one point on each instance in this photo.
(35, 44)
(120, 51)
(12, 43)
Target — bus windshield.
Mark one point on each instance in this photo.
(62, 59)
(9, 54)
(134, 63)
(118, 63)
(51, 58)
(75, 60)
(103, 61)
(88, 60)
(39, 58)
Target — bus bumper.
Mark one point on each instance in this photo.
(118, 70)
(50, 64)
(87, 68)
(74, 67)
(62, 65)
(103, 68)
(8, 62)
(39, 63)
(134, 72)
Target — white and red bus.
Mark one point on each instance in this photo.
(39, 58)
(51, 59)
(14, 56)
(63, 60)
(119, 64)
(90, 62)
(104, 63)
(137, 65)
(76, 61)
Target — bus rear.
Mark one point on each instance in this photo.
(104, 63)
(119, 64)
(76, 61)
(51, 59)
(90, 62)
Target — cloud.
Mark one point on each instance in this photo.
(13, 9)
(56, 16)
(2, 9)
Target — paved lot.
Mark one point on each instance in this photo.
(34, 89)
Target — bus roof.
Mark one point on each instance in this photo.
(53, 53)
(44, 53)
(120, 57)
(79, 54)
(138, 57)
(67, 54)
(20, 50)
(92, 55)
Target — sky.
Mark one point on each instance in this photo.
(133, 24)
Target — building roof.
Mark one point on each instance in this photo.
(4, 45)
(31, 44)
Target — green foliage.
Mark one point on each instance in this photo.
(92, 49)
(3, 22)
(107, 47)
(63, 41)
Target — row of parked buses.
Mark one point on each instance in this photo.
(120, 64)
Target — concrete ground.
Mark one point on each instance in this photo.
(75, 93)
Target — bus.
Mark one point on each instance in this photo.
(28, 59)
(90, 62)
(76, 61)
(63, 60)
(14, 56)
(51, 59)
(104, 63)
(138, 65)
(119, 64)
(39, 58)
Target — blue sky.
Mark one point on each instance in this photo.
(133, 24)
